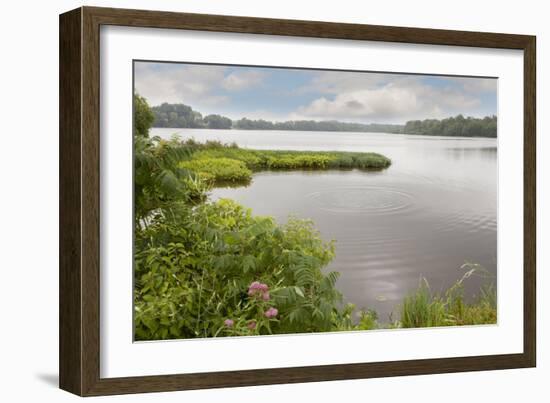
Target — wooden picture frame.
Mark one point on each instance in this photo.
(79, 348)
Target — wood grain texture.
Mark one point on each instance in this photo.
(90, 202)
(315, 29)
(530, 203)
(70, 274)
(80, 200)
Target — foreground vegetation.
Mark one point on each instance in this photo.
(183, 116)
(223, 163)
(207, 269)
(210, 269)
(218, 270)
(423, 308)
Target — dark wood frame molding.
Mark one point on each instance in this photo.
(79, 200)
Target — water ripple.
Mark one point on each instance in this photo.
(467, 221)
(360, 199)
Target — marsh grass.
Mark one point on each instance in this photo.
(219, 169)
(222, 163)
(423, 308)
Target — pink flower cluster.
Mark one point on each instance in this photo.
(258, 289)
(271, 313)
(252, 325)
(228, 322)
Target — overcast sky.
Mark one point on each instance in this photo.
(291, 94)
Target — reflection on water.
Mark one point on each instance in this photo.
(368, 199)
(432, 210)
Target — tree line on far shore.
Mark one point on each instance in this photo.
(454, 126)
(183, 116)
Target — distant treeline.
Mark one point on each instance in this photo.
(455, 126)
(312, 125)
(183, 116)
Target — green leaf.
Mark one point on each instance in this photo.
(299, 291)
(249, 262)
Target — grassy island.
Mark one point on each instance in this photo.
(223, 163)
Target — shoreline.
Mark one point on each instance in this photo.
(322, 131)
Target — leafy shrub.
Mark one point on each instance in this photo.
(194, 269)
(219, 169)
(158, 181)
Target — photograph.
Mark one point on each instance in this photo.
(272, 200)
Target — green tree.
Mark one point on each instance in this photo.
(176, 116)
(217, 122)
(143, 116)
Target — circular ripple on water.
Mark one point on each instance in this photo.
(363, 199)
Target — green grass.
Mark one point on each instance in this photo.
(224, 163)
(423, 308)
(219, 169)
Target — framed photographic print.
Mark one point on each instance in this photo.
(249, 201)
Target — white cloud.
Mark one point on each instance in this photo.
(387, 98)
(241, 80)
(195, 85)
(160, 83)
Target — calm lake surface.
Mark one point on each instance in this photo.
(433, 210)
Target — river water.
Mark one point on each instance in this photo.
(433, 210)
